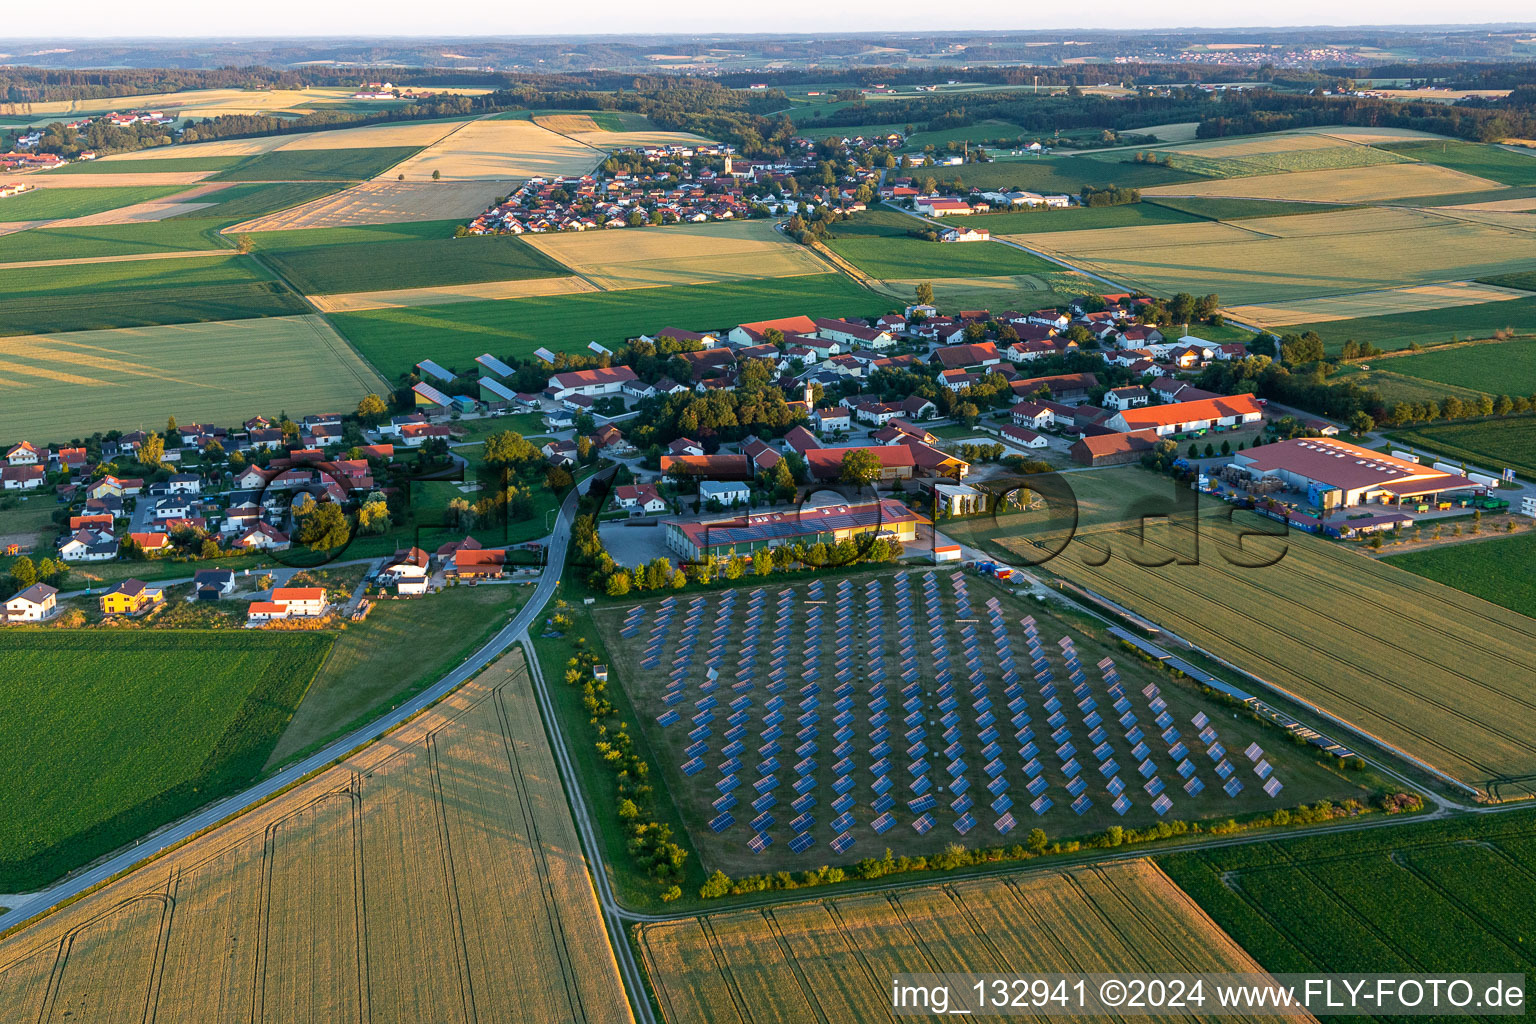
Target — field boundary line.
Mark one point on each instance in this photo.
(450, 879)
(723, 965)
(360, 902)
(788, 953)
(162, 947)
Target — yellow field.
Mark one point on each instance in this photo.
(567, 123)
(370, 137)
(383, 202)
(498, 149)
(1341, 185)
(617, 140)
(353, 302)
(1373, 303)
(1249, 145)
(113, 180)
(681, 254)
(1499, 205)
(1276, 260)
(996, 292)
(213, 102)
(834, 960)
(435, 876)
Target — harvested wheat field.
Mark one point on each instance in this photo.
(434, 876)
(399, 298)
(498, 149)
(1337, 185)
(679, 254)
(834, 960)
(383, 202)
(601, 139)
(125, 179)
(1278, 260)
(567, 123)
(1382, 302)
(370, 137)
(1493, 205)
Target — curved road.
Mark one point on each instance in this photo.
(33, 904)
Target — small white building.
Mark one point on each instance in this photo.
(724, 492)
(35, 604)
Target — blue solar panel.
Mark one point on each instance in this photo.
(721, 822)
(725, 802)
(1234, 786)
(694, 766)
(1153, 786)
(883, 803)
(1041, 805)
(921, 785)
(801, 843)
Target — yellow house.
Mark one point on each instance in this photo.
(131, 597)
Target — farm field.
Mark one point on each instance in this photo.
(1427, 327)
(1397, 387)
(1437, 673)
(219, 268)
(405, 298)
(417, 263)
(1062, 174)
(71, 311)
(212, 102)
(1217, 208)
(238, 202)
(63, 386)
(109, 734)
(394, 340)
(459, 825)
(1524, 280)
(1340, 185)
(74, 242)
(1052, 287)
(1078, 218)
(1282, 259)
(988, 788)
(207, 157)
(904, 258)
(1496, 444)
(377, 662)
(57, 203)
(498, 149)
(1424, 896)
(1484, 161)
(318, 164)
(382, 202)
(682, 254)
(834, 959)
(1273, 154)
(1497, 368)
(1386, 301)
(1495, 570)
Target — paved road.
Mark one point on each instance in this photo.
(33, 904)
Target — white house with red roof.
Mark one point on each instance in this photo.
(644, 497)
(23, 454)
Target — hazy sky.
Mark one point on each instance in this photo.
(97, 18)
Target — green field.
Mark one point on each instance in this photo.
(1506, 443)
(1057, 174)
(1496, 570)
(318, 164)
(1462, 198)
(1525, 279)
(903, 258)
(242, 202)
(1325, 623)
(380, 661)
(1497, 368)
(1440, 896)
(1224, 208)
(1397, 387)
(415, 263)
(131, 276)
(1258, 161)
(106, 310)
(54, 203)
(1426, 327)
(109, 734)
(370, 234)
(1485, 161)
(394, 340)
(69, 243)
(154, 165)
(1078, 218)
(62, 386)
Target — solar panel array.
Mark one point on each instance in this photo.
(962, 746)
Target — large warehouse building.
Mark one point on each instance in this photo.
(696, 539)
(1337, 474)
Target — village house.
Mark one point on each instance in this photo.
(37, 603)
(131, 597)
(1125, 398)
(724, 493)
(641, 497)
(1022, 436)
(86, 545)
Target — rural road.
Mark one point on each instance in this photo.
(31, 905)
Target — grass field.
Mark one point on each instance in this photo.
(1426, 327)
(1273, 154)
(459, 826)
(727, 849)
(901, 258)
(1397, 387)
(1428, 669)
(60, 243)
(1060, 174)
(131, 276)
(62, 386)
(500, 149)
(1079, 218)
(156, 307)
(59, 203)
(1524, 280)
(1498, 368)
(1491, 444)
(394, 340)
(1428, 896)
(1495, 570)
(110, 734)
(415, 263)
(834, 959)
(683, 254)
(401, 647)
(1218, 208)
(1484, 161)
(239, 202)
(167, 161)
(1280, 259)
(1342, 185)
(317, 164)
